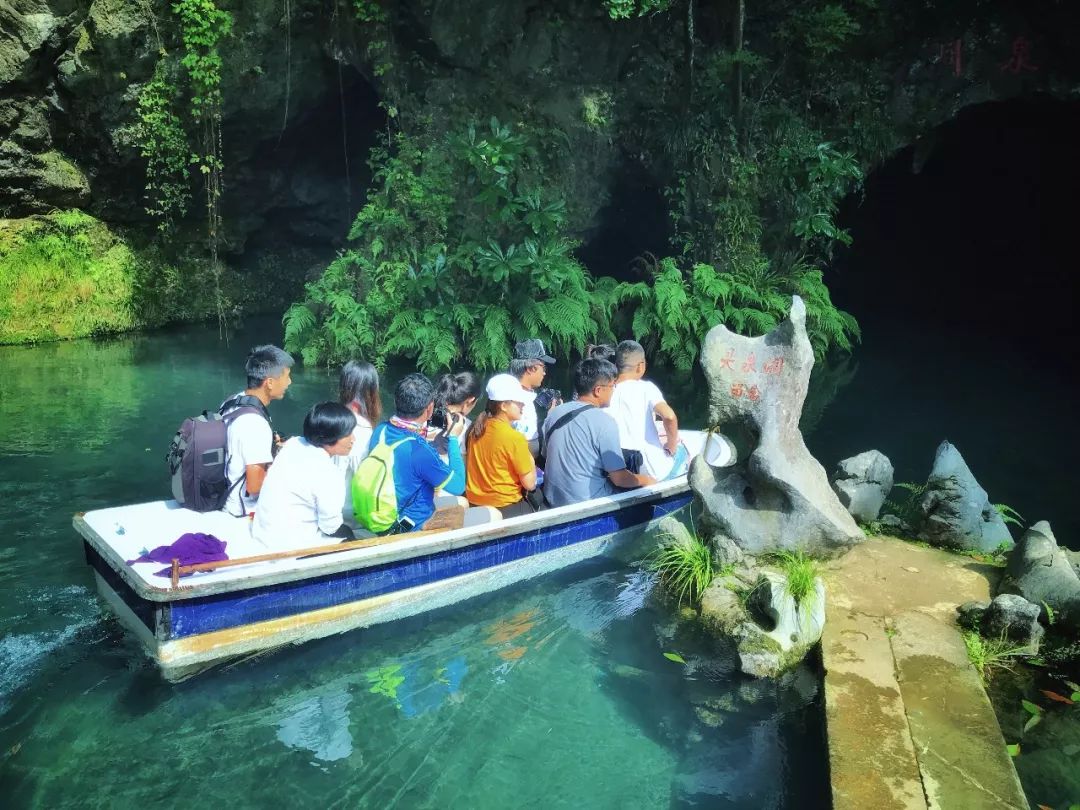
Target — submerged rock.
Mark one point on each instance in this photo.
(777, 495)
(1043, 573)
(862, 483)
(770, 631)
(955, 512)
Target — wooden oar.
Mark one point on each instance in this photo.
(178, 569)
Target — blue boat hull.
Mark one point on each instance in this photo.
(187, 634)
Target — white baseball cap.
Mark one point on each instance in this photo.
(507, 388)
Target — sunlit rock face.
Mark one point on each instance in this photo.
(777, 496)
(862, 483)
(955, 511)
(1043, 573)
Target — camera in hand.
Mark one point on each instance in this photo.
(439, 417)
(546, 397)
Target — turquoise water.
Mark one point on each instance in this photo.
(555, 693)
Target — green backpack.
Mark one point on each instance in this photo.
(374, 495)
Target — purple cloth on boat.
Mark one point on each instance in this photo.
(189, 549)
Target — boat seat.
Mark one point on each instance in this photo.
(480, 515)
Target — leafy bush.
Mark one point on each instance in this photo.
(678, 307)
(684, 565)
(458, 253)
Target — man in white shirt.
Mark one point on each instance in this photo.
(300, 505)
(634, 405)
(250, 437)
(530, 366)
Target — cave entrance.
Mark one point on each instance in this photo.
(633, 223)
(972, 228)
(298, 190)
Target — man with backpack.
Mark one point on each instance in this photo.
(250, 435)
(581, 442)
(401, 453)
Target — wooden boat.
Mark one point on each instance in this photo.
(257, 601)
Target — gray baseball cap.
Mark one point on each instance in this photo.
(532, 349)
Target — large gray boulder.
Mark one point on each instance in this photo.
(862, 483)
(955, 512)
(1043, 573)
(777, 496)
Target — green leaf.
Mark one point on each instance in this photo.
(1031, 708)
(1033, 721)
(1014, 749)
(678, 659)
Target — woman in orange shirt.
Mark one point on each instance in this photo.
(499, 469)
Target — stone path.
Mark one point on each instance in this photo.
(909, 723)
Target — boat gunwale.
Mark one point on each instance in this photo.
(405, 549)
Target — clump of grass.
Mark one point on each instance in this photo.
(800, 571)
(684, 565)
(1009, 515)
(990, 655)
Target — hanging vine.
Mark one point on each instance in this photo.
(202, 27)
(164, 143)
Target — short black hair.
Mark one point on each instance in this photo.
(519, 367)
(266, 361)
(628, 354)
(412, 395)
(454, 389)
(590, 373)
(327, 423)
(599, 351)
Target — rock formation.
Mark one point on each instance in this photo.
(862, 483)
(1043, 573)
(771, 632)
(777, 496)
(955, 512)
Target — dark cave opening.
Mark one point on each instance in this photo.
(633, 223)
(972, 229)
(312, 176)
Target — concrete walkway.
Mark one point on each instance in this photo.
(909, 723)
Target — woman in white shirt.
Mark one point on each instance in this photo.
(359, 392)
(300, 502)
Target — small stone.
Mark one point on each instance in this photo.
(911, 569)
(1015, 618)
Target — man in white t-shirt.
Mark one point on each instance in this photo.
(634, 406)
(530, 366)
(250, 437)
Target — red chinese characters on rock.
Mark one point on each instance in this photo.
(749, 365)
(1019, 62)
(952, 53)
(774, 366)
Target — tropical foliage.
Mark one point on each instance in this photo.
(457, 253)
(677, 307)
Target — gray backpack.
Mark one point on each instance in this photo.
(197, 459)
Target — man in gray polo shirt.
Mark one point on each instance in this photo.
(581, 442)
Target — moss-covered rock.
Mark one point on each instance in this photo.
(68, 275)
